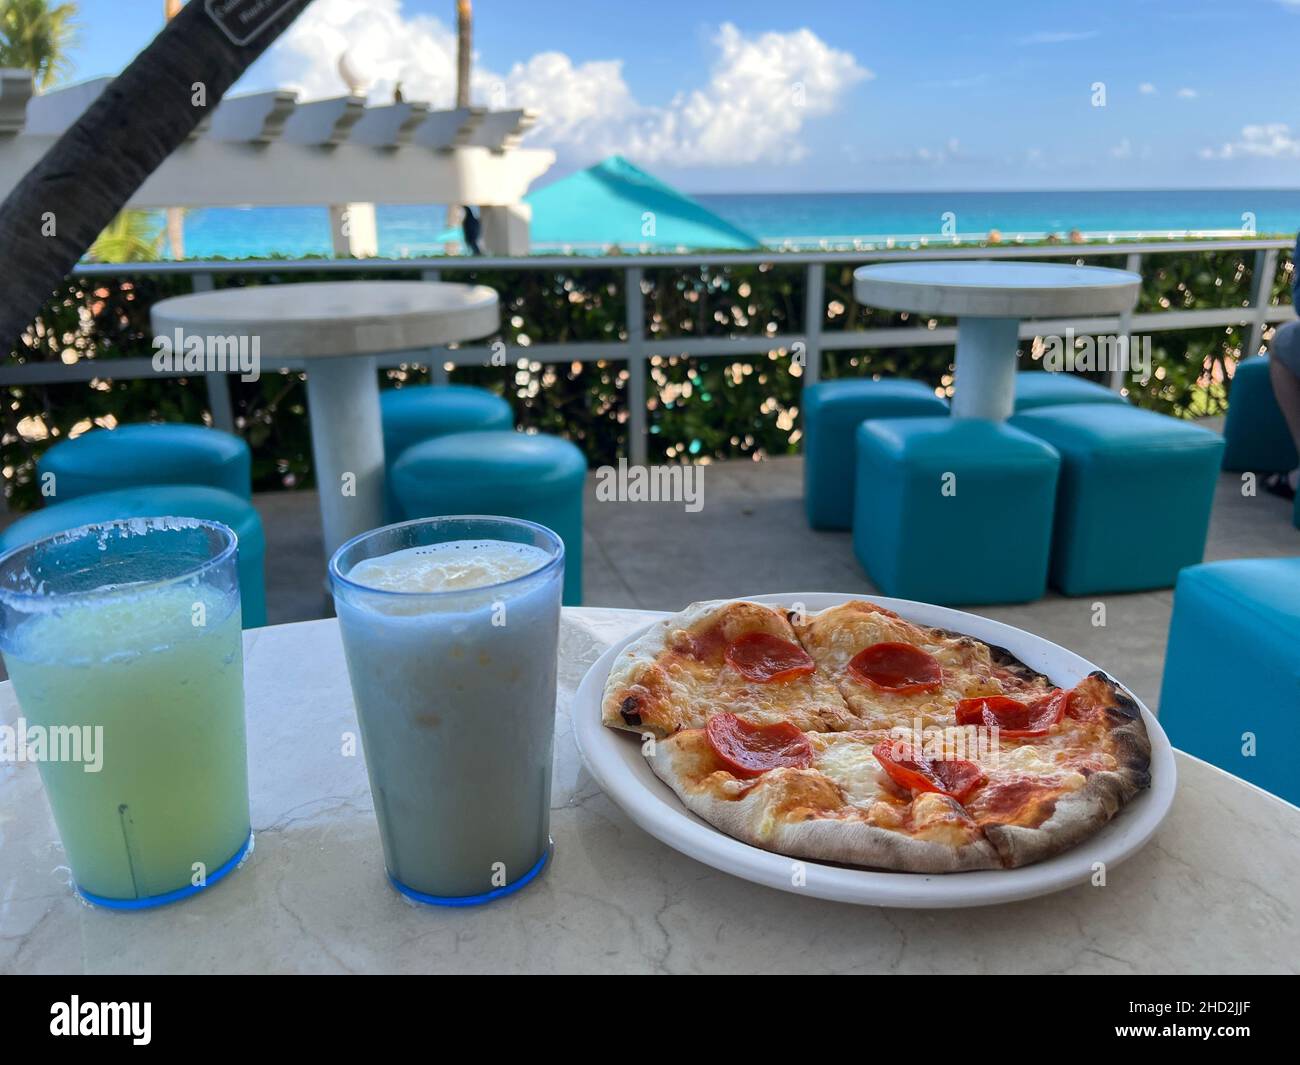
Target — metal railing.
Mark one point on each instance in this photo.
(637, 348)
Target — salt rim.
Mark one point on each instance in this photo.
(42, 601)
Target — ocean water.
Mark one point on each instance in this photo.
(244, 232)
(807, 218)
(878, 214)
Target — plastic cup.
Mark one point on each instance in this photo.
(123, 644)
(455, 697)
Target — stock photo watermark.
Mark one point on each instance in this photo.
(626, 483)
(21, 742)
(1108, 353)
(194, 354)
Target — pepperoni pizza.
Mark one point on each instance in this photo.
(854, 735)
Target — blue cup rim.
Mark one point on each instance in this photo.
(477, 900)
(151, 902)
(161, 522)
(339, 579)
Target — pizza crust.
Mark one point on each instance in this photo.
(802, 814)
(1081, 813)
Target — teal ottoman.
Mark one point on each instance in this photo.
(953, 510)
(158, 501)
(1133, 507)
(832, 412)
(515, 475)
(1255, 432)
(421, 412)
(1043, 388)
(1231, 691)
(135, 455)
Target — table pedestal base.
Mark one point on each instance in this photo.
(985, 385)
(347, 445)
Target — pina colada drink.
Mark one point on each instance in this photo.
(152, 668)
(451, 648)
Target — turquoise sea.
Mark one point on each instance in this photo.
(807, 218)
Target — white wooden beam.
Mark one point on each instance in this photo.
(211, 173)
(500, 130)
(324, 122)
(389, 127)
(258, 118)
(15, 91)
(447, 129)
(52, 112)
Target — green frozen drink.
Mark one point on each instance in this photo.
(124, 646)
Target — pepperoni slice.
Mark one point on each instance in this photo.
(765, 658)
(750, 750)
(1013, 717)
(897, 667)
(912, 771)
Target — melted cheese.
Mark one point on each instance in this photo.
(849, 763)
(835, 635)
(1032, 761)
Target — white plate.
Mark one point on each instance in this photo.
(614, 759)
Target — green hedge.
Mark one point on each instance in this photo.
(721, 407)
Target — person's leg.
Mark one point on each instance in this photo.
(1283, 354)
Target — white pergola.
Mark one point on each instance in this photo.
(269, 149)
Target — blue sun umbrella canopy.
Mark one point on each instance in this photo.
(614, 202)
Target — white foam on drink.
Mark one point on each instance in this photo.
(458, 565)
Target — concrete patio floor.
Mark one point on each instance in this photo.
(751, 537)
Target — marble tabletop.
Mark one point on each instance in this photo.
(997, 288)
(1215, 890)
(324, 319)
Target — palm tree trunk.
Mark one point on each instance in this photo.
(464, 46)
(67, 199)
(175, 215)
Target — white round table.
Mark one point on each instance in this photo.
(988, 299)
(1213, 891)
(341, 326)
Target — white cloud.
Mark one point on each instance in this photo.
(382, 44)
(1187, 94)
(1126, 150)
(1269, 141)
(760, 92)
(1147, 89)
(949, 152)
(1056, 37)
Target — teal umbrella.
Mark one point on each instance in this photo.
(614, 202)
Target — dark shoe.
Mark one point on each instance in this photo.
(1279, 484)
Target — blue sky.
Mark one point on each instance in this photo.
(833, 95)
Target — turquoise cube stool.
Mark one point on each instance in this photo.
(131, 456)
(421, 412)
(158, 501)
(1232, 669)
(1134, 501)
(954, 510)
(516, 475)
(1043, 388)
(1255, 432)
(832, 412)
